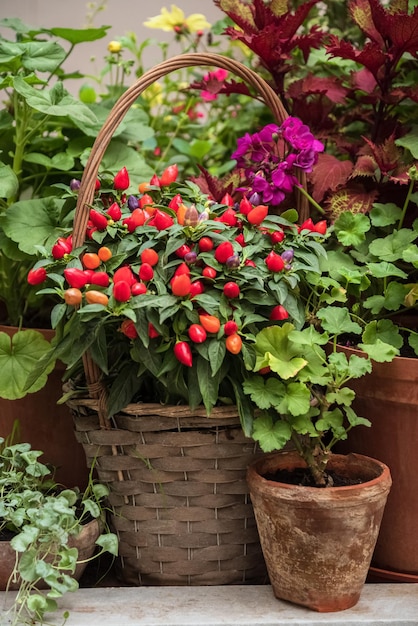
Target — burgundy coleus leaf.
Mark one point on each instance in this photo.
(328, 174)
(258, 26)
(365, 166)
(327, 86)
(387, 155)
(213, 186)
(355, 200)
(371, 56)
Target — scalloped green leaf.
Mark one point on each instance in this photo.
(19, 355)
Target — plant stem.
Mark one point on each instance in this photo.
(311, 200)
(406, 203)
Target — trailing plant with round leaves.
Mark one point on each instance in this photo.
(41, 518)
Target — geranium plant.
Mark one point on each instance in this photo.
(170, 286)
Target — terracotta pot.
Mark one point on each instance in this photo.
(47, 426)
(318, 543)
(84, 542)
(388, 397)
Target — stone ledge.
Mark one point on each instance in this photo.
(380, 605)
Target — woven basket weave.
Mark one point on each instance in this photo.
(177, 478)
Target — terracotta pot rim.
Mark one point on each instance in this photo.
(383, 476)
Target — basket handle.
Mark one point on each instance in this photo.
(119, 110)
(121, 107)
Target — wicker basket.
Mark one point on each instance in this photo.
(177, 478)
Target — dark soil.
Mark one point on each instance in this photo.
(302, 477)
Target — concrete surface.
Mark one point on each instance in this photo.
(380, 605)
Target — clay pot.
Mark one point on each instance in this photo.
(318, 543)
(47, 426)
(388, 397)
(84, 542)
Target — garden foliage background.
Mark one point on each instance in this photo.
(122, 15)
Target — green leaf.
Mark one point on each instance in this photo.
(274, 349)
(296, 400)
(385, 269)
(216, 354)
(208, 383)
(80, 35)
(392, 300)
(56, 101)
(379, 351)
(351, 228)
(383, 215)
(356, 420)
(337, 321)
(9, 183)
(391, 248)
(32, 223)
(263, 393)
(19, 356)
(109, 542)
(385, 330)
(271, 435)
(409, 141)
(61, 161)
(413, 342)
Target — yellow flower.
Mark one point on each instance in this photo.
(177, 21)
(153, 94)
(114, 46)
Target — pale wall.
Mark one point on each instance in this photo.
(123, 15)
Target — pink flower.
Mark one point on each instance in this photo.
(214, 82)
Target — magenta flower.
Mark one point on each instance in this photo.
(270, 157)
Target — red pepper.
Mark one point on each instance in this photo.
(100, 278)
(155, 181)
(145, 201)
(121, 180)
(76, 277)
(146, 272)
(161, 220)
(229, 217)
(175, 202)
(307, 225)
(183, 353)
(209, 272)
(183, 250)
(321, 227)
(122, 291)
(205, 244)
(183, 268)
(258, 214)
(114, 212)
(230, 327)
(274, 262)
(224, 251)
(196, 288)
(60, 248)
(245, 206)
(169, 175)
(137, 289)
(228, 200)
(128, 329)
(180, 285)
(279, 313)
(124, 273)
(99, 220)
(231, 290)
(197, 333)
(240, 240)
(152, 331)
(37, 276)
(277, 236)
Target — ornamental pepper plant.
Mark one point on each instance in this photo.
(170, 286)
